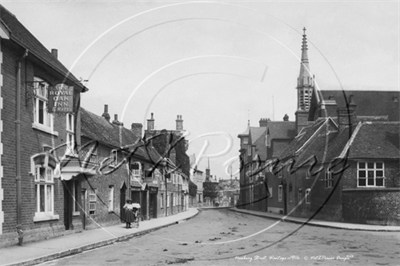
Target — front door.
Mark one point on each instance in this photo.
(122, 201)
(153, 205)
(84, 208)
(67, 185)
(143, 204)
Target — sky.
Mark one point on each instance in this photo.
(218, 64)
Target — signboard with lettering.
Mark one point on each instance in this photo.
(153, 189)
(61, 99)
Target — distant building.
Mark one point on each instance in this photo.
(172, 147)
(197, 178)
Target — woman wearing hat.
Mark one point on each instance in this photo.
(129, 215)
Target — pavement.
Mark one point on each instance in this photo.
(320, 223)
(55, 248)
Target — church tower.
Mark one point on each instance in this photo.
(305, 86)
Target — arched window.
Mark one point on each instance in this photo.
(42, 169)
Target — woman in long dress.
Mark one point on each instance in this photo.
(129, 215)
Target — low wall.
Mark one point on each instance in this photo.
(372, 206)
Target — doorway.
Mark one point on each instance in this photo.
(122, 200)
(83, 208)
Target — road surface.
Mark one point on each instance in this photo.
(224, 237)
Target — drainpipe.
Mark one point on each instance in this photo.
(18, 150)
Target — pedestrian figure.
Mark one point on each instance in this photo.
(129, 214)
(135, 210)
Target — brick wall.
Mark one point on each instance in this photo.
(102, 216)
(32, 142)
(372, 206)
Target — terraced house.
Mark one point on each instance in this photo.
(126, 168)
(35, 198)
(172, 146)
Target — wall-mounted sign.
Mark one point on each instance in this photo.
(61, 99)
(153, 189)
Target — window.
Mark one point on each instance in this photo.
(114, 158)
(168, 200)
(40, 114)
(75, 194)
(249, 150)
(70, 138)
(300, 194)
(371, 174)
(270, 192)
(328, 179)
(136, 170)
(44, 188)
(162, 200)
(111, 198)
(308, 196)
(280, 192)
(92, 201)
(173, 200)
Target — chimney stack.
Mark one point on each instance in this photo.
(301, 120)
(179, 123)
(54, 52)
(137, 129)
(264, 122)
(106, 115)
(150, 123)
(116, 122)
(346, 115)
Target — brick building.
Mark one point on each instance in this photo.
(172, 146)
(35, 194)
(253, 190)
(125, 168)
(343, 164)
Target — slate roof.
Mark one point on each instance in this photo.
(366, 140)
(96, 127)
(376, 140)
(369, 103)
(301, 139)
(258, 140)
(281, 129)
(256, 133)
(22, 36)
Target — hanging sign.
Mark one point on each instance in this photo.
(61, 99)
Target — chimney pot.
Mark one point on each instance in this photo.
(150, 123)
(116, 122)
(54, 52)
(106, 115)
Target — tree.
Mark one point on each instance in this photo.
(210, 190)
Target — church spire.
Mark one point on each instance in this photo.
(305, 81)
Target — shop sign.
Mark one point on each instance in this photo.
(61, 99)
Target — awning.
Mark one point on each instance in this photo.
(70, 167)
